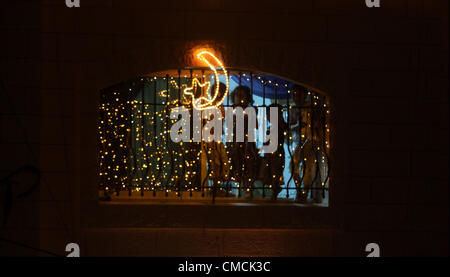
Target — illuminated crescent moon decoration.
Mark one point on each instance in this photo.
(210, 101)
(203, 103)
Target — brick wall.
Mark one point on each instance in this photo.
(386, 71)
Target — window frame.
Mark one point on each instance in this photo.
(190, 214)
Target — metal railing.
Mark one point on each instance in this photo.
(137, 156)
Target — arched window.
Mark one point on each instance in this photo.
(138, 159)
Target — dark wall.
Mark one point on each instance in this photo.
(385, 69)
(20, 116)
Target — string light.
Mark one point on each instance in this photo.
(135, 156)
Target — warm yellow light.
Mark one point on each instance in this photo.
(213, 62)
